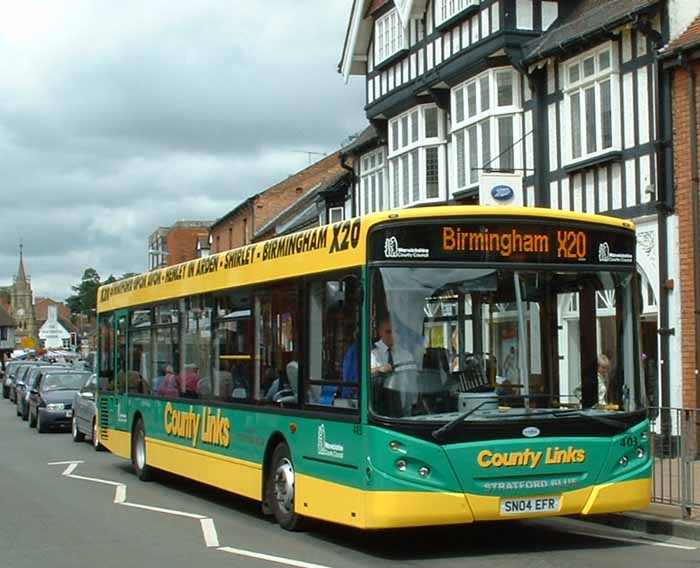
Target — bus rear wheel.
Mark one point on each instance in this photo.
(138, 453)
(279, 490)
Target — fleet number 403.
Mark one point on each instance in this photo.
(572, 244)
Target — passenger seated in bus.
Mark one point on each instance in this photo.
(289, 394)
(191, 380)
(603, 378)
(170, 386)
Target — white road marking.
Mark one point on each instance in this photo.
(632, 540)
(270, 558)
(209, 532)
(70, 469)
(65, 462)
(166, 511)
(120, 494)
(211, 537)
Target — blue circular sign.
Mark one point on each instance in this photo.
(502, 192)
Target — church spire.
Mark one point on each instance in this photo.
(21, 274)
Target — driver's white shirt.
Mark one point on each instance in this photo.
(400, 356)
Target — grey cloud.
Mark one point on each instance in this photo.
(118, 118)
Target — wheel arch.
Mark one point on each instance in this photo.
(275, 439)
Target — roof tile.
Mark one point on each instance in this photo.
(689, 38)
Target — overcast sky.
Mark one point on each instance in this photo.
(119, 117)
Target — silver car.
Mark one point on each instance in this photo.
(85, 413)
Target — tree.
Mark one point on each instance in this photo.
(85, 298)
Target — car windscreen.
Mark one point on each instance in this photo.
(63, 381)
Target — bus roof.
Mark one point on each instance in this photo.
(328, 247)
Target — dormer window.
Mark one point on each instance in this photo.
(447, 9)
(388, 36)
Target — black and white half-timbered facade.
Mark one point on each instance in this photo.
(563, 99)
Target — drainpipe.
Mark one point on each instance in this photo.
(664, 207)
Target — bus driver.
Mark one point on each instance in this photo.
(386, 354)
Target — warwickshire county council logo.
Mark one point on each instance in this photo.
(326, 448)
(393, 250)
(604, 254)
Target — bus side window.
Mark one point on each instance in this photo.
(334, 342)
(277, 328)
(233, 348)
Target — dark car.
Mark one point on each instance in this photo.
(30, 381)
(8, 380)
(20, 377)
(51, 403)
(85, 413)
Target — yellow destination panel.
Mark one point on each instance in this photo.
(337, 246)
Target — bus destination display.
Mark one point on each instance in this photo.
(501, 242)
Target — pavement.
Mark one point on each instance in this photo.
(657, 519)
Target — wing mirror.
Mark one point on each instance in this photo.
(88, 395)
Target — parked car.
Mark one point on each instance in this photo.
(85, 413)
(20, 377)
(30, 381)
(51, 401)
(8, 380)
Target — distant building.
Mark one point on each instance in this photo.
(18, 301)
(253, 219)
(175, 244)
(53, 333)
(7, 333)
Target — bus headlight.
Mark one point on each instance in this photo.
(624, 460)
(401, 465)
(424, 471)
(640, 453)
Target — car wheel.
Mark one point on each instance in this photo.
(138, 453)
(40, 424)
(25, 412)
(279, 490)
(96, 437)
(78, 436)
(19, 411)
(5, 392)
(32, 419)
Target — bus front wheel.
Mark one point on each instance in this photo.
(280, 489)
(138, 453)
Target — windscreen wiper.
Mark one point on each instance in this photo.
(439, 433)
(621, 426)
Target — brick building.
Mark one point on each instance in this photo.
(179, 243)
(243, 224)
(681, 61)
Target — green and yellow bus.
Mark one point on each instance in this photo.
(430, 366)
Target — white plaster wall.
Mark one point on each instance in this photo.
(681, 15)
(674, 309)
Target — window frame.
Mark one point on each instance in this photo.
(415, 149)
(578, 85)
(370, 201)
(389, 37)
(446, 10)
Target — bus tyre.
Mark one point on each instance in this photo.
(279, 490)
(138, 453)
(78, 436)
